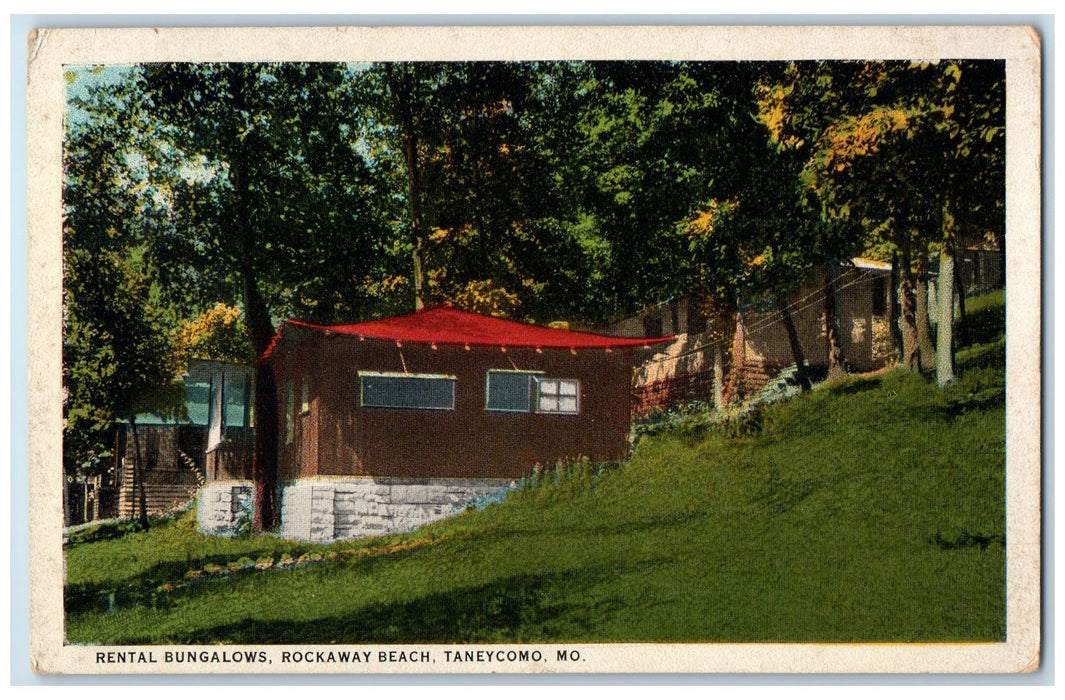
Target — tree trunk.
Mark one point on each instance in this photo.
(264, 463)
(418, 239)
(959, 288)
(138, 475)
(925, 351)
(402, 91)
(719, 377)
(796, 347)
(1000, 241)
(261, 330)
(945, 336)
(833, 339)
(908, 313)
(896, 307)
(264, 458)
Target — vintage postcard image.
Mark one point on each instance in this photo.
(535, 349)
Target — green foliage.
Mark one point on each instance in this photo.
(888, 145)
(117, 357)
(475, 154)
(271, 187)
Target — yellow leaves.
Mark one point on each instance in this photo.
(701, 224)
(456, 236)
(393, 282)
(776, 113)
(855, 137)
(484, 297)
(385, 287)
(759, 261)
(216, 334)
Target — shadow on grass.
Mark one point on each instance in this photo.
(967, 540)
(679, 519)
(983, 324)
(144, 589)
(855, 386)
(991, 355)
(514, 609)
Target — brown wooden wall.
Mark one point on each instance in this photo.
(336, 436)
(866, 336)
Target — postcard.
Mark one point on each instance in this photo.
(558, 349)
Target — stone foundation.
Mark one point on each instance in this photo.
(224, 506)
(329, 509)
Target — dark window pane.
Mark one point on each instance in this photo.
(198, 398)
(413, 391)
(879, 296)
(235, 393)
(508, 391)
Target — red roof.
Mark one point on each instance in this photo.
(446, 325)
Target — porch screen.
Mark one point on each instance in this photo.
(424, 391)
(508, 390)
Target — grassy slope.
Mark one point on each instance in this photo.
(868, 511)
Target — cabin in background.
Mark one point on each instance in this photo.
(178, 454)
(758, 349)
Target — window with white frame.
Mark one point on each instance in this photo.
(396, 390)
(560, 396)
(509, 391)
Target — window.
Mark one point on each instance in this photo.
(879, 296)
(236, 399)
(560, 396)
(508, 390)
(391, 390)
(198, 403)
(696, 319)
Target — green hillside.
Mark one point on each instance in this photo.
(869, 510)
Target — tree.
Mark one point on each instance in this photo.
(903, 152)
(474, 148)
(117, 360)
(283, 203)
(250, 188)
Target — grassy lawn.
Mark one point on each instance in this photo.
(869, 510)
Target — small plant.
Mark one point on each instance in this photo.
(264, 563)
(241, 564)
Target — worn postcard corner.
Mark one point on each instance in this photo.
(535, 349)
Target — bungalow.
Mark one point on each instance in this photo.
(758, 346)
(177, 454)
(389, 424)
